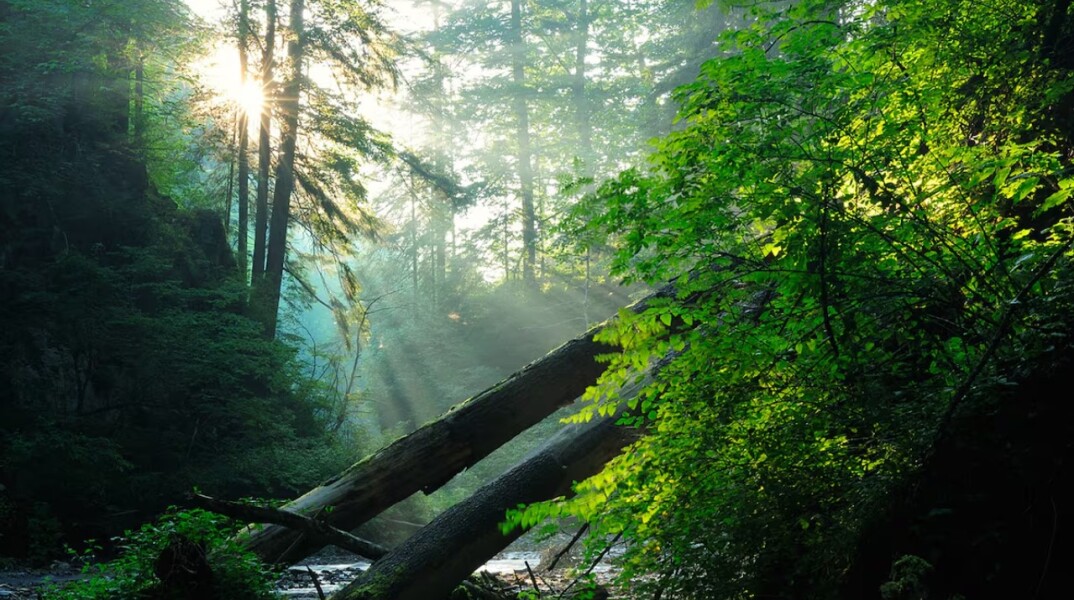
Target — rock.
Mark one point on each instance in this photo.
(8, 592)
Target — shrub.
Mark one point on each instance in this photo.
(236, 573)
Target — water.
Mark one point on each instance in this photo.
(296, 583)
(509, 562)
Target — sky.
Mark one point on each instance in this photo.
(210, 10)
(400, 15)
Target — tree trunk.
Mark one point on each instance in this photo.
(430, 564)
(139, 102)
(441, 223)
(117, 87)
(581, 105)
(244, 141)
(525, 170)
(229, 193)
(430, 456)
(264, 147)
(285, 176)
(414, 248)
(444, 210)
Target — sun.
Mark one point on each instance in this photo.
(249, 97)
(220, 72)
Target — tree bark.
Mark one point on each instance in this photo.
(430, 564)
(581, 104)
(310, 527)
(244, 141)
(269, 297)
(139, 101)
(264, 147)
(444, 213)
(429, 457)
(525, 169)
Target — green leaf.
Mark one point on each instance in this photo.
(1024, 188)
(1001, 176)
(1055, 200)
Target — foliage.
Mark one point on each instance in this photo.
(865, 212)
(236, 572)
(593, 87)
(130, 371)
(130, 385)
(907, 579)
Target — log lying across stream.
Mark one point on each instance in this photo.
(433, 561)
(430, 456)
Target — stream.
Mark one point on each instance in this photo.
(296, 584)
(334, 569)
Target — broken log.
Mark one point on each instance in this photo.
(430, 564)
(314, 529)
(430, 456)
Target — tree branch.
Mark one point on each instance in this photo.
(324, 533)
(1004, 326)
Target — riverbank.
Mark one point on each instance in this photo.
(332, 569)
(19, 582)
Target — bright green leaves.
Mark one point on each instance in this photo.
(1023, 188)
(1021, 174)
(860, 224)
(1060, 196)
(133, 574)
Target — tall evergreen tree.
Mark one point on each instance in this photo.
(264, 144)
(268, 293)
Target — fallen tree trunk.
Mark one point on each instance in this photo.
(430, 564)
(430, 456)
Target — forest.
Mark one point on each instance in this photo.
(705, 299)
